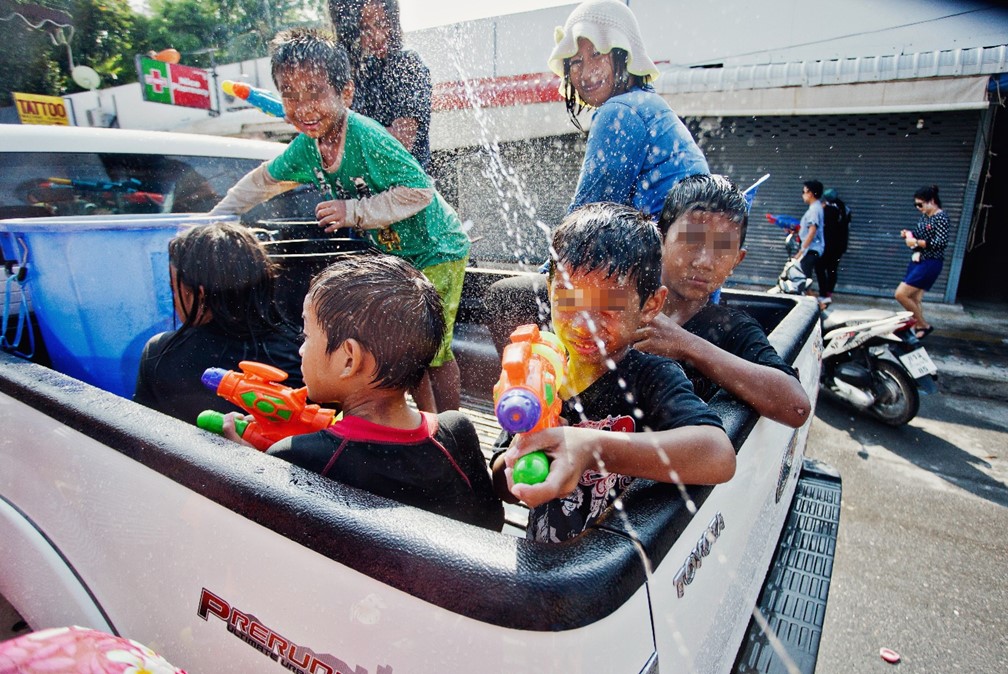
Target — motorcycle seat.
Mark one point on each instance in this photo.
(841, 317)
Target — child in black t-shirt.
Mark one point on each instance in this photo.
(631, 413)
(704, 225)
(223, 284)
(371, 325)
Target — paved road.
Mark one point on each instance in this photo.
(922, 557)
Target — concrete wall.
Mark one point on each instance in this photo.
(676, 32)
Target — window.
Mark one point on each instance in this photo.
(49, 183)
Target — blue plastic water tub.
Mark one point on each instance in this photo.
(100, 288)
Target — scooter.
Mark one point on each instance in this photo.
(792, 280)
(871, 360)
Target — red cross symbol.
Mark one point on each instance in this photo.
(156, 81)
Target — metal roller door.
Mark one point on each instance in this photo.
(875, 162)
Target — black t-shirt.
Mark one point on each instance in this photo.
(645, 392)
(398, 86)
(736, 332)
(169, 380)
(437, 467)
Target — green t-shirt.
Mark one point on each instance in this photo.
(373, 162)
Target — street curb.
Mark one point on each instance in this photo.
(967, 378)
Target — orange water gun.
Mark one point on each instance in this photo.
(279, 411)
(527, 395)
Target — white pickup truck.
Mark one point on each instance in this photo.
(223, 559)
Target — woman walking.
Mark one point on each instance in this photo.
(927, 241)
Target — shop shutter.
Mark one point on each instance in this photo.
(875, 162)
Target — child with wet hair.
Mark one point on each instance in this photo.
(704, 224)
(636, 149)
(631, 414)
(223, 285)
(375, 185)
(371, 325)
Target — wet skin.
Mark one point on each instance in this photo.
(312, 105)
(596, 316)
(700, 252)
(374, 29)
(592, 74)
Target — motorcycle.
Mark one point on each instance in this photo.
(871, 360)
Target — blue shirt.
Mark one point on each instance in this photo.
(813, 216)
(637, 149)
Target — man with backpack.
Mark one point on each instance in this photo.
(836, 223)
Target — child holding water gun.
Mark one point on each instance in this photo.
(371, 324)
(704, 224)
(636, 149)
(631, 413)
(376, 185)
(223, 284)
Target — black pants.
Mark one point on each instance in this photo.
(810, 264)
(826, 271)
(516, 301)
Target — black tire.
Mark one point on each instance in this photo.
(896, 398)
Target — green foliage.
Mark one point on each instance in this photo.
(103, 40)
(27, 66)
(186, 25)
(109, 33)
(253, 23)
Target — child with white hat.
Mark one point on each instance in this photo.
(637, 146)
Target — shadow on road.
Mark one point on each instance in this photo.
(921, 448)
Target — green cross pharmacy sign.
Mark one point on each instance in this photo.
(173, 84)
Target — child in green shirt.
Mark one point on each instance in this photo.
(376, 184)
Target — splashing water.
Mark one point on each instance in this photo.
(516, 209)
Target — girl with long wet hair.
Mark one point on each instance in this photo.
(223, 287)
(637, 147)
(392, 85)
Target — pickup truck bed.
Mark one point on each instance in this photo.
(222, 559)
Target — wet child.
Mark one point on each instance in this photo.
(377, 186)
(223, 284)
(636, 149)
(704, 224)
(631, 413)
(371, 325)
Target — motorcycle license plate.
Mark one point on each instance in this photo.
(918, 363)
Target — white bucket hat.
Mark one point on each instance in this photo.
(608, 24)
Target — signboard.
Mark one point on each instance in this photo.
(37, 109)
(173, 84)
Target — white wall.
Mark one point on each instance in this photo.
(733, 32)
(678, 32)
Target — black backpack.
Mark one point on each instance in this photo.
(836, 226)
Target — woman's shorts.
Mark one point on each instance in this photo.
(922, 274)
(447, 278)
